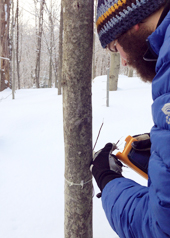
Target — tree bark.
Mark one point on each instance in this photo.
(60, 51)
(94, 42)
(51, 47)
(1, 6)
(4, 42)
(114, 71)
(13, 52)
(17, 45)
(39, 38)
(77, 111)
(94, 59)
(130, 72)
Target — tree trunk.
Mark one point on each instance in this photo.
(94, 42)
(4, 42)
(39, 38)
(55, 70)
(77, 111)
(94, 65)
(130, 72)
(51, 47)
(114, 71)
(60, 51)
(50, 72)
(17, 45)
(1, 6)
(13, 52)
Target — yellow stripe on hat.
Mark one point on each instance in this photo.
(110, 11)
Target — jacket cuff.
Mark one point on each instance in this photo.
(103, 177)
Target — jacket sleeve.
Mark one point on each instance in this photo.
(135, 211)
(126, 207)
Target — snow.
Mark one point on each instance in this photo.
(32, 153)
(4, 59)
(6, 12)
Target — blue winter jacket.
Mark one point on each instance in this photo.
(135, 211)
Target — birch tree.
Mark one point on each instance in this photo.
(51, 46)
(50, 40)
(55, 40)
(60, 51)
(39, 39)
(4, 43)
(130, 72)
(77, 68)
(17, 45)
(114, 71)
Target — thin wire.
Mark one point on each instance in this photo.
(98, 136)
(78, 184)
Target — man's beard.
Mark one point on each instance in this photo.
(135, 46)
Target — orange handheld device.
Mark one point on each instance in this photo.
(123, 156)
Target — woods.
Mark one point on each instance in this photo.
(34, 34)
(56, 45)
(29, 39)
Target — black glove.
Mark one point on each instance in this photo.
(105, 166)
(140, 153)
(143, 142)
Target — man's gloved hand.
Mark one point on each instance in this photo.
(105, 166)
(143, 142)
(140, 153)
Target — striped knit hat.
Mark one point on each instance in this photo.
(115, 17)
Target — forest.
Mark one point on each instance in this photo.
(31, 45)
(53, 44)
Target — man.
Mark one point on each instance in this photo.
(140, 31)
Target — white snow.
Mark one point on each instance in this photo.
(32, 153)
(6, 12)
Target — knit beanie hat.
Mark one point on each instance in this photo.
(115, 17)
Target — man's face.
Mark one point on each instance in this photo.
(132, 47)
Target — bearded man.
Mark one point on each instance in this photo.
(140, 31)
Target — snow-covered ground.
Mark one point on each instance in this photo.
(32, 153)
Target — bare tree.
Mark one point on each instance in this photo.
(39, 39)
(55, 63)
(102, 59)
(51, 45)
(77, 68)
(60, 51)
(4, 43)
(13, 51)
(51, 42)
(17, 45)
(28, 41)
(114, 71)
(130, 72)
